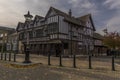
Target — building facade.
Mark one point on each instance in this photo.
(99, 47)
(13, 43)
(4, 33)
(57, 33)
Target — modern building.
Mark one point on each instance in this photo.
(57, 33)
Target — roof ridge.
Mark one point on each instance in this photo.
(5, 27)
(39, 16)
(59, 11)
(20, 23)
(84, 16)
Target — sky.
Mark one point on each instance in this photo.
(105, 13)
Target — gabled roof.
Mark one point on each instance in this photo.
(39, 17)
(78, 21)
(65, 15)
(6, 29)
(73, 20)
(97, 36)
(19, 25)
(85, 18)
(58, 12)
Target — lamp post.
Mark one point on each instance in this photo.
(28, 18)
(71, 34)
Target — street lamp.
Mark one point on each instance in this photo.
(28, 18)
(71, 34)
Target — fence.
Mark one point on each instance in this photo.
(92, 62)
(75, 61)
(8, 57)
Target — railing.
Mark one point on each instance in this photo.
(91, 61)
(8, 56)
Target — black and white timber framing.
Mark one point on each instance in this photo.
(55, 32)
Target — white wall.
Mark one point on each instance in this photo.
(52, 19)
(63, 26)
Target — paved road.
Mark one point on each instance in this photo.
(44, 72)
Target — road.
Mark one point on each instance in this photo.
(45, 72)
(101, 69)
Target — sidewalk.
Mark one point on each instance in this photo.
(81, 61)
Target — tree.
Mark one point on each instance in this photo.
(112, 40)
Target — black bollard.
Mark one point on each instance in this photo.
(90, 67)
(74, 61)
(5, 57)
(9, 56)
(60, 64)
(14, 57)
(1, 56)
(49, 59)
(113, 65)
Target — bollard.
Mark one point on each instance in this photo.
(9, 56)
(5, 56)
(90, 67)
(113, 65)
(1, 56)
(14, 57)
(60, 64)
(74, 61)
(49, 59)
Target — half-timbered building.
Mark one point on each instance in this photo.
(58, 33)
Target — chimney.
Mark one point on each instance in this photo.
(70, 13)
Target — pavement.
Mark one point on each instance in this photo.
(44, 72)
(101, 69)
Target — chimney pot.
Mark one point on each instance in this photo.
(70, 12)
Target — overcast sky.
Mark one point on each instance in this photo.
(105, 13)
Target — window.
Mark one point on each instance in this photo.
(21, 36)
(1, 35)
(34, 34)
(39, 33)
(52, 28)
(5, 34)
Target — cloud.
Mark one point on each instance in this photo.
(11, 12)
(84, 6)
(113, 24)
(112, 4)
